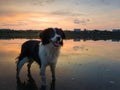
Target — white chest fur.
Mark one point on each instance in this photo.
(48, 54)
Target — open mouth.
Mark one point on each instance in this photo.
(56, 43)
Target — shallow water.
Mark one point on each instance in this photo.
(83, 65)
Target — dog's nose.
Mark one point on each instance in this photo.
(58, 38)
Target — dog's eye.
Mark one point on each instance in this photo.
(52, 34)
(59, 32)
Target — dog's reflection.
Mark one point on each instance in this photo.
(30, 84)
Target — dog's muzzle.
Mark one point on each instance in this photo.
(57, 42)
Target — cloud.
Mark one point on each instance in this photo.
(41, 2)
(109, 2)
(67, 13)
(77, 21)
(83, 21)
(6, 13)
(14, 24)
(96, 3)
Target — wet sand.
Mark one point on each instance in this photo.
(80, 66)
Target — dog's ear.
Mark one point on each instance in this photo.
(41, 35)
(45, 35)
(62, 33)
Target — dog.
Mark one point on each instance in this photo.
(45, 52)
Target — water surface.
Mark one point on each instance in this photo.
(83, 65)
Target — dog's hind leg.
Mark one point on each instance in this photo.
(20, 63)
(29, 65)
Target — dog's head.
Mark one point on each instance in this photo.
(52, 35)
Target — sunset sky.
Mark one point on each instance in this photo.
(65, 14)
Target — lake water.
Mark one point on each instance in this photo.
(83, 65)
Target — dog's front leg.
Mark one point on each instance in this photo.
(52, 67)
(43, 75)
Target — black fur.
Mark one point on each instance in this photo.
(47, 34)
(30, 49)
(60, 32)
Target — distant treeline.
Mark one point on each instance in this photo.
(12, 34)
(93, 35)
(85, 35)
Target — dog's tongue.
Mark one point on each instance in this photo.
(56, 44)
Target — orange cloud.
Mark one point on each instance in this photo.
(34, 21)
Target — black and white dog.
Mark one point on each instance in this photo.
(44, 52)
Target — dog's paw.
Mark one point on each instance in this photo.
(53, 78)
(43, 83)
(43, 87)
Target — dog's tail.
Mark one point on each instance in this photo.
(18, 58)
(22, 54)
(20, 61)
